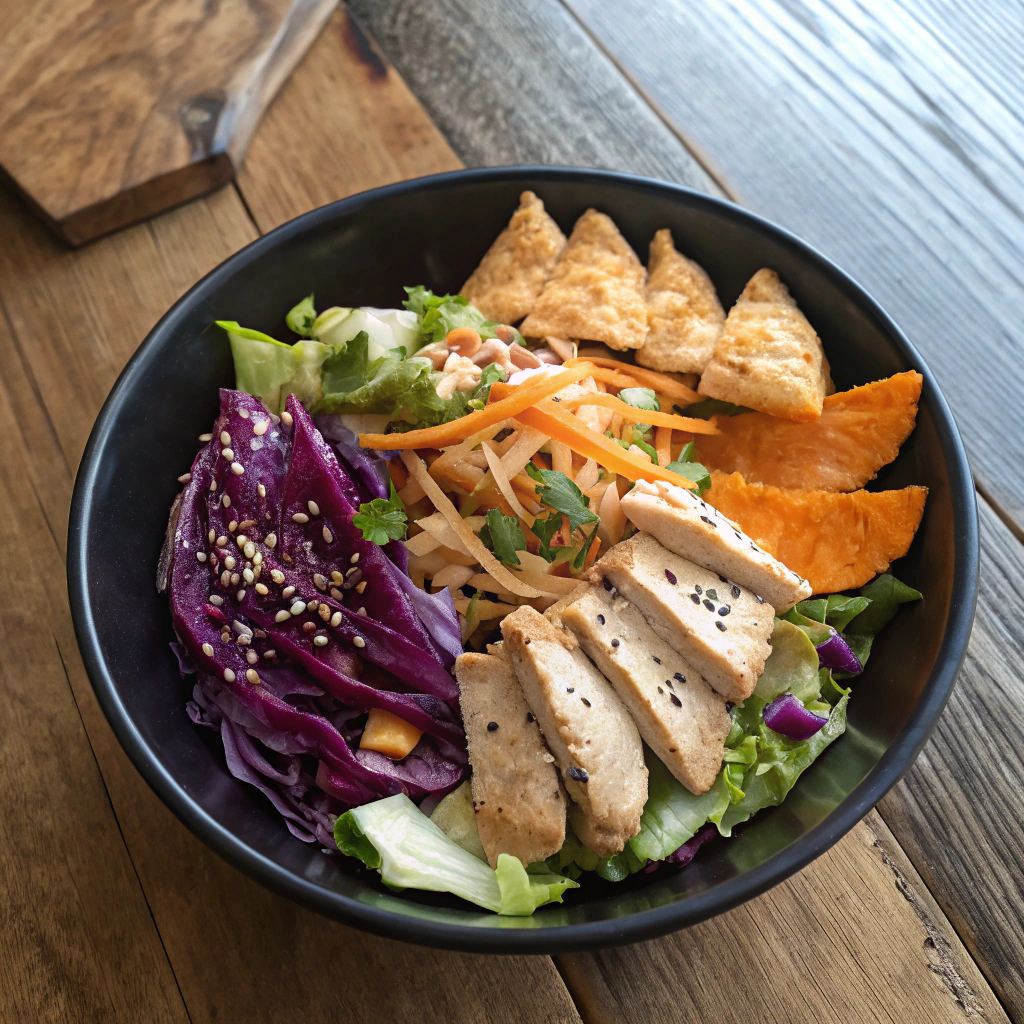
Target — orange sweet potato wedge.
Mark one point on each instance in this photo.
(835, 541)
(858, 432)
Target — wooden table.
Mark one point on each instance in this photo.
(887, 134)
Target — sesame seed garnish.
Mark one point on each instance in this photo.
(298, 608)
(271, 539)
(262, 490)
(257, 559)
(261, 588)
(675, 700)
(286, 418)
(229, 676)
(679, 677)
(720, 624)
(585, 701)
(225, 579)
(360, 610)
(579, 774)
(216, 600)
(247, 575)
(205, 438)
(713, 594)
(241, 540)
(222, 541)
(697, 587)
(319, 581)
(320, 640)
(244, 413)
(724, 610)
(358, 641)
(252, 657)
(529, 717)
(277, 576)
(308, 627)
(335, 619)
(660, 690)
(225, 439)
(213, 485)
(234, 579)
(328, 536)
(260, 427)
(360, 586)
(212, 535)
(232, 526)
(615, 643)
(229, 562)
(314, 508)
(313, 605)
(227, 453)
(337, 576)
(252, 675)
(760, 599)
(735, 591)
(300, 517)
(248, 549)
(240, 596)
(237, 468)
(185, 478)
(710, 605)
(200, 556)
(351, 572)
(208, 650)
(287, 592)
(600, 620)
(270, 654)
(336, 594)
(244, 641)
(324, 611)
(282, 616)
(671, 577)
(657, 660)
(354, 558)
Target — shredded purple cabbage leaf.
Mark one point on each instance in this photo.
(288, 706)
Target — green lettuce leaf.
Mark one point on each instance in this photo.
(792, 666)
(455, 817)
(886, 595)
(439, 314)
(397, 839)
(301, 317)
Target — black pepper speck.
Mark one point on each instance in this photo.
(668, 683)
(492, 726)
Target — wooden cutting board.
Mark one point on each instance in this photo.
(114, 110)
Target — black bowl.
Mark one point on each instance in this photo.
(433, 231)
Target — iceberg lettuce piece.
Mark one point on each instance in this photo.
(792, 666)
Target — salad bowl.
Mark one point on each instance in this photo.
(362, 251)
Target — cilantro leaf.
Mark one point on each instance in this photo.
(382, 519)
(504, 536)
(711, 407)
(686, 455)
(439, 314)
(544, 530)
(648, 449)
(301, 316)
(580, 560)
(692, 471)
(640, 398)
(558, 492)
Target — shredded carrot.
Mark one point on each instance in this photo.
(663, 445)
(558, 423)
(614, 378)
(634, 415)
(525, 395)
(592, 553)
(398, 474)
(646, 378)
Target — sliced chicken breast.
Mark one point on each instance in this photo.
(678, 714)
(517, 796)
(587, 728)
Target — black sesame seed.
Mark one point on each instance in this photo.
(739, 536)
(660, 690)
(695, 599)
(713, 594)
(668, 683)
(615, 643)
(679, 677)
(492, 726)
(671, 750)
(607, 583)
(724, 610)
(710, 605)
(527, 642)
(579, 774)
(556, 399)
(570, 689)
(657, 661)
(729, 705)
(600, 620)
(720, 624)
(708, 521)
(723, 579)
(697, 587)
(529, 716)
(735, 591)
(671, 577)
(675, 700)
(760, 599)
(753, 546)
(585, 701)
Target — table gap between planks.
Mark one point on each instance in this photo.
(111, 910)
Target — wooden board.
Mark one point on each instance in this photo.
(113, 110)
(905, 138)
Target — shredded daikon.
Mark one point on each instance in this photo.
(587, 476)
(505, 486)
(561, 458)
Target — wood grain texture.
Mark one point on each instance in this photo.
(908, 145)
(112, 111)
(519, 82)
(821, 946)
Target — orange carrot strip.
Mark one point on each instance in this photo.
(647, 378)
(663, 445)
(634, 415)
(525, 395)
(563, 426)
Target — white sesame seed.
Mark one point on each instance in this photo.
(277, 576)
(201, 556)
(248, 576)
(325, 612)
(354, 558)
(229, 676)
(312, 605)
(282, 616)
(208, 650)
(212, 535)
(314, 508)
(234, 579)
(259, 428)
(261, 588)
(226, 501)
(225, 439)
(320, 581)
(298, 608)
(300, 517)
(213, 485)
(270, 540)
(241, 539)
(252, 657)
(270, 654)
(287, 592)
(320, 641)
(241, 594)
(359, 641)
(336, 594)
(257, 559)
(216, 599)
(222, 541)
(205, 438)
(241, 628)
(229, 562)
(184, 478)
(244, 413)
(328, 536)
(337, 577)
(225, 578)
(248, 548)
(336, 619)
(360, 586)
(244, 641)
(262, 490)
(252, 675)
(360, 610)
(227, 453)
(286, 418)
(351, 572)
(232, 526)
(237, 468)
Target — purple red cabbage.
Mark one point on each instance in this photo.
(288, 692)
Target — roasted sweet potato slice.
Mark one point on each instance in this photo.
(835, 541)
(858, 432)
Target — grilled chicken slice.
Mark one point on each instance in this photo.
(586, 727)
(683, 523)
(719, 626)
(517, 795)
(678, 714)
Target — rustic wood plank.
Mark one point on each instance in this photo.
(111, 112)
(76, 938)
(909, 153)
(816, 948)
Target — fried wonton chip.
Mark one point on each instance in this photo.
(596, 292)
(683, 312)
(768, 357)
(858, 432)
(513, 271)
(835, 541)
